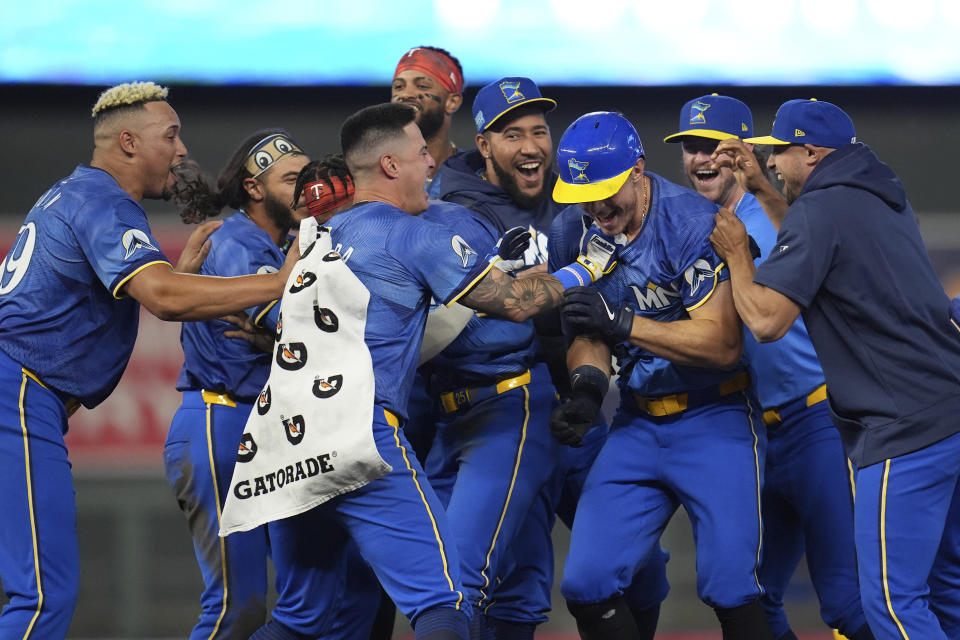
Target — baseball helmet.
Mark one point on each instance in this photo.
(595, 156)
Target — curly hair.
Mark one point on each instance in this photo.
(129, 94)
(332, 165)
(197, 200)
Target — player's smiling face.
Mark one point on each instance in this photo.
(518, 158)
(159, 148)
(279, 183)
(711, 183)
(423, 93)
(621, 212)
(789, 163)
(416, 163)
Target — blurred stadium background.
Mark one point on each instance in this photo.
(305, 66)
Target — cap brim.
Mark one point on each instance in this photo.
(766, 140)
(700, 133)
(568, 193)
(547, 105)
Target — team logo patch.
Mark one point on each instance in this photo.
(697, 110)
(266, 269)
(294, 428)
(264, 400)
(302, 281)
(799, 133)
(247, 448)
(460, 247)
(327, 387)
(134, 239)
(698, 273)
(578, 170)
(479, 120)
(332, 256)
(325, 319)
(511, 91)
(292, 356)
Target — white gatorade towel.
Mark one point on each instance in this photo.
(310, 435)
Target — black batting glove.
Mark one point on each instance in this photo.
(585, 311)
(572, 419)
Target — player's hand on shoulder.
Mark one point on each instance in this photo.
(584, 311)
(507, 254)
(197, 247)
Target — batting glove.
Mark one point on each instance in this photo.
(598, 257)
(572, 419)
(507, 254)
(585, 311)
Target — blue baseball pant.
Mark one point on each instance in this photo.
(808, 507)
(708, 459)
(907, 530)
(39, 557)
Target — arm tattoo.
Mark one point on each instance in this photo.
(501, 295)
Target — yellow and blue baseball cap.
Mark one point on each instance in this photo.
(503, 96)
(714, 116)
(810, 122)
(595, 156)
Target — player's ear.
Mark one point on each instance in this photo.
(452, 103)
(128, 141)
(389, 166)
(483, 145)
(638, 169)
(254, 189)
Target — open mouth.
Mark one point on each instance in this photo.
(530, 171)
(705, 175)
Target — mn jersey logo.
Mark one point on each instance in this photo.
(699, 273)
(263, 401)
(292, 356)
(327, 387)
(654, 297)
(247, 448)
(461, 248)
(697, 110)
(578, 170)
(302, 281)
(134, 239)
(511, 91)
(325, 319)
(294, 428)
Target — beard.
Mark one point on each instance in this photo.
(278, 212)
(430, 122)
(509, 184)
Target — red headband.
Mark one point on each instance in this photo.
(435, 64)
(325, 195)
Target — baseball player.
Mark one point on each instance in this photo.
(849, 256)
(222, 377)
(686, 432)
(70, 294)
(806, 483)
(402, 259)
(430, 79)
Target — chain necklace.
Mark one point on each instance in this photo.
(644, 206)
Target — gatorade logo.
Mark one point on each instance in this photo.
(327, 387)
(292, 356)
(247, 448)
(263, 402)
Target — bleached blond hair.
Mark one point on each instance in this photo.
(127, 95)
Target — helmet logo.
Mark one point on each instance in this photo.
(696, 112)
(578, 170)
(511, 91)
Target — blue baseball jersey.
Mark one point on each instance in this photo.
(849, 252)
(788, 368)
(402, 260)
(488, 348)
(669, 269)
(214, 362)
(61, 307)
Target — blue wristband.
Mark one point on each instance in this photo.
(573, 275)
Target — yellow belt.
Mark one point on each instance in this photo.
(678, 402)
(818, 395)
(215, 397)
(454, 400)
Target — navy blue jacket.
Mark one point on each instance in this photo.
(850, 254)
